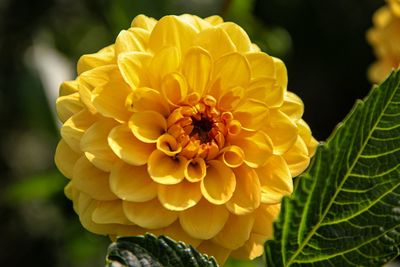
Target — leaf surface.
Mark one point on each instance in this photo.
(345, 210)
(150, 251)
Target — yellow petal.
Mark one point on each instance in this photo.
(265, 216)
(109, 212)
(195, 170)
(275, 179)
(174, 88)
(127, 147)
(144, 22)
(204, 220)
(198, 23)
(253, 248)
(132, 183)
(133, 68)
(171, 31)
(229, 100)
(221, 44)
(267, 91)
(65, 158)
(305, 134)
(150, 214)
(197, 68)
(74, 128)
(293, 106)
(68, 87)
(110, 101)
(214, 20)
(261, 64)
(280, 73)
(87, 205)
(95, 146)
(251, 114)
(180, 196)
(236, 231)
(257, 148)
(209, 248)
(92, 79)
(297, 157)
(164, 169)
(128, 230)
(133, 40)
(92, 181)
(176, 232)
(232, 156)
(104, 57)
(167, 60)
(71, 192)
(230, 71)
(147, 126)
(168, 144)
(247, 195)
(282, 131)
(219, 183)
(68, 105)
(145, 98)
(237, 35)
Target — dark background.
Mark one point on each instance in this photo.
(322, 43)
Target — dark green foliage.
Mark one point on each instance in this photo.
(345, 210)
(148, 250)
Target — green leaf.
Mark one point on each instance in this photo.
(345, 210)
(148, 250)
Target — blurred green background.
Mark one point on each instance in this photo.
(322, 43)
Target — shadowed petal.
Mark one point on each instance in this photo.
(253, 248)
(65, 158)
(204, 220)
(247, 195)
(68, 105)
(127, 147)
(150, 214)
(275, 180)
(92, 181)
(221, 254)
(195, 169)
(297, 157)
(235, 232)
(282, 131)
(74, 128)
(180, 196)
(166, 170)
(219, 183)
(147, 126)
(109, 212)
(132, 183)
(95, 146)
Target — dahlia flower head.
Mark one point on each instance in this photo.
(384, 37)
(184, 128)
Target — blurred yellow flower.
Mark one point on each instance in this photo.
(385, 40)
(183, 127)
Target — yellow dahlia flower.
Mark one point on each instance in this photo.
(183, 127)
(385, 39)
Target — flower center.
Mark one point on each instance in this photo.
(201, 129)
